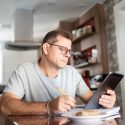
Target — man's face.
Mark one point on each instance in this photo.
(59, 52)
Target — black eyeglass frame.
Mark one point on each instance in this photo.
(64, 50)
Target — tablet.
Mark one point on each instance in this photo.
(110, 82)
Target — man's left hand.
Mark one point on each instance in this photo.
(108, 100)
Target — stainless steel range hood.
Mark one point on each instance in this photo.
(22, 26)
(22, 45)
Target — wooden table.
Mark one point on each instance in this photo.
(42, 120)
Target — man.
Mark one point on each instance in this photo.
(50, 85)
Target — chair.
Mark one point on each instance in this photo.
(0, 105)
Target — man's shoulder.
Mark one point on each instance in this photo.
(25, 68)
(27, 65)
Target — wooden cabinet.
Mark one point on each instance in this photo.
(89, 33)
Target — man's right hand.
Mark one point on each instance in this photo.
(62, 104)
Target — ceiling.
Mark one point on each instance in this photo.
(46, 14)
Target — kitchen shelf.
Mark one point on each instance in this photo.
(84, 36)
(85, 64)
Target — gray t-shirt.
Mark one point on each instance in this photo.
(30, 84)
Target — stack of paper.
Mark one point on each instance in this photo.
(112, 112)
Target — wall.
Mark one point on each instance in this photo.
(12, 58)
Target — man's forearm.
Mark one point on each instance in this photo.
(18, 107)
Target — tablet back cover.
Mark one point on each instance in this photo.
(110, 82)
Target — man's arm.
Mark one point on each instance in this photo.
(86, 97)
(13, 105)
(106, 101)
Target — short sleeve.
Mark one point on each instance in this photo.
(16, 82)
(81, 86)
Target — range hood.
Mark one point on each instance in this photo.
(22, 26)
(22, 45)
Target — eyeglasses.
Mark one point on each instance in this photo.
(64, 50)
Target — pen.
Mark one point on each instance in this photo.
(61, 91)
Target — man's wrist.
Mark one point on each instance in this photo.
(48, 109)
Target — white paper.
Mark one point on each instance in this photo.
(111, 111)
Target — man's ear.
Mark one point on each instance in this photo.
(45, 48)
